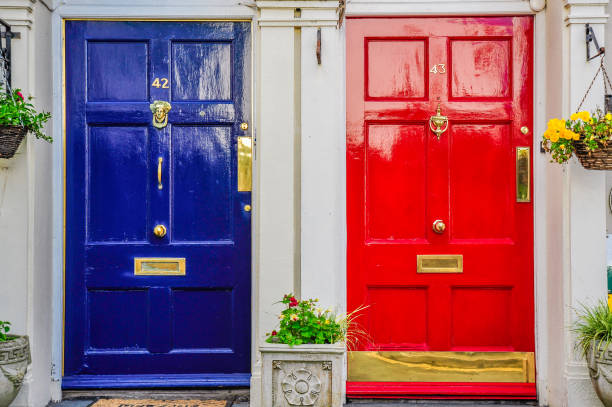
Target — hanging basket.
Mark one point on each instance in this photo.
(600, 159)
(10, 139)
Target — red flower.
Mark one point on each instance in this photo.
(274, 333)
(293, 302)
(20, 95)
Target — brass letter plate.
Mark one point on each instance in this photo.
(523, 176)
(159, 266)
(440, 263)
(245, 152)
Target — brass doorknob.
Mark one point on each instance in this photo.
(160, 231)
(439, 226)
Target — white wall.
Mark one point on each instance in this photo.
(26, 205)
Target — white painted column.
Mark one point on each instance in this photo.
(584, 200)
(275, 201)
(323, 158)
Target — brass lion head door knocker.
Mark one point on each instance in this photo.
(160, 111)
(438, 123)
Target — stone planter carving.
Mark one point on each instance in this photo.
(14, 361)
(305, 375)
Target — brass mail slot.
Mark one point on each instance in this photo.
(159, 266)
(245, 164)
(440, 263)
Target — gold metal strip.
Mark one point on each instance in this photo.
(245, 164)
(439, 263)
(523, 174)
(464, 367)
(159, 266)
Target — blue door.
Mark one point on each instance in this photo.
(158, 235)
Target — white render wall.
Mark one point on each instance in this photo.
(26, 204)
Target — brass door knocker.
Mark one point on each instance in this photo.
(160, 111)
(437, 121)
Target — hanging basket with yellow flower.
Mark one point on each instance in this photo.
(585, 135)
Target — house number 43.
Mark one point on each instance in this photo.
(438, 68)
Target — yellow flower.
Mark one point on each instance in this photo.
(584, 116)
(327, 322)
(294, 317)
(576, 136)
(609, 116)
(281, 316)
(574, 116)
(562, 146)
(554, 137)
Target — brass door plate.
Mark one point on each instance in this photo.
(245, 164)
(466, 367)
(523, 174)
(159, 266)
(440, 263)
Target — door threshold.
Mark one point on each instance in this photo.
(236, 394)
(155, 381)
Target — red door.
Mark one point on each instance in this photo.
(440, 226)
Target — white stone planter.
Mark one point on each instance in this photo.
(14, 361)
(304, 375)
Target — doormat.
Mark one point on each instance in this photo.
(158, 403)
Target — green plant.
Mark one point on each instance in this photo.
(593, 323)
(303, 322)
(15, 110)
(5, 327)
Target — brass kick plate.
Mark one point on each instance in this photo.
(440, 263)
(159, 266)
(474, 367)
(245, 166)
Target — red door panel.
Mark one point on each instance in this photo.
(401, 178)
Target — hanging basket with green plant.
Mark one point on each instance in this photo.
(18, 117)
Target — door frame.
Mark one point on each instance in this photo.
(98, 13)
(367, 9)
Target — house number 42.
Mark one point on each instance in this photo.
(438, 68)
(160, 83)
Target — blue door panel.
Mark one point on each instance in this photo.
(117, 199)
(201, 162)
(128, 330)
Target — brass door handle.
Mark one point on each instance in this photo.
(160, 231)
(159, 173)
(439, 226)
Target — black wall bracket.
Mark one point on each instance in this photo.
(6, 35)
(590, 37)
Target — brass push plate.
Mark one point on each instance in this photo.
(159, 266)
(245, 166)
(440, 263)
(523, 176)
